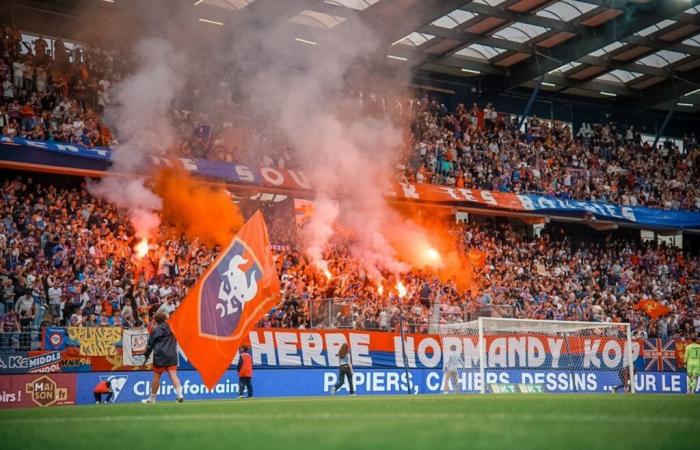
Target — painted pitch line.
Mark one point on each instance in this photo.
(588, 418)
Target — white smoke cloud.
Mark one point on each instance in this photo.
(319, 229)
(347, 154)
(131, 194)
(141, 119)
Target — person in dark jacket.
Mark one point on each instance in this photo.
(245, 372)
(163, 345)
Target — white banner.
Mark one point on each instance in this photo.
(135, 342)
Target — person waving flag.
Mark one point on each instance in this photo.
(227, 301)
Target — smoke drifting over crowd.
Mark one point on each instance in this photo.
(141, 118)
(203, 212)
(348, 156)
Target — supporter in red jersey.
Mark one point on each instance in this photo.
(245, 372)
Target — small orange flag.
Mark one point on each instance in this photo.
(227, 301)
(653, 308)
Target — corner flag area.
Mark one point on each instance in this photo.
(564, 422)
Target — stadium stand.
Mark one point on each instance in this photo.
(67, 259)
(59, 97)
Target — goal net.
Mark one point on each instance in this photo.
(500, 355)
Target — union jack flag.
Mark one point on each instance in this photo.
(659, 355)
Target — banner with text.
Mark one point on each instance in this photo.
(289, 348)
(74, 158)
(134, 386)
(93, 341)
(22, 391)
(30, 362)
(319, 348)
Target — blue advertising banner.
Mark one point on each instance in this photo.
(636, 214)
(24, 362)
(134, 386)
(100, 153)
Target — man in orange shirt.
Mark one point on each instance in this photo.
(103, 388)
(245, 372)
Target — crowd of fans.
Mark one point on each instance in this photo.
(67, 258)
(60, 95)
(55, 94)
(546, 277)
(599, 162)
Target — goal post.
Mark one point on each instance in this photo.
(499, 355)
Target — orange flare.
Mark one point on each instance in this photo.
(433, 255)
(401, 289)
(141, 248)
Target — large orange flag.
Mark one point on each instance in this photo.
(227, 301)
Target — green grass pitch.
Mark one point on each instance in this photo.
(392, 422)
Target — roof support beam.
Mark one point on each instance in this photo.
(457, 64)
(663, 125)
(592, 85)
(326, 8)
(617, 4)
(472, 38)
(266, 11)
(395, 20)
(669, 90)
(646, 41)
(529, 18)
(692, 19)
(634, 19)
(632, 67)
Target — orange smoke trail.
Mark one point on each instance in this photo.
(465, 269)
(427, 244)
(199, 210)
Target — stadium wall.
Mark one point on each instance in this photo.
(303, 363)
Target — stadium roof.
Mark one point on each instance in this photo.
(634, 54)
(642, 53)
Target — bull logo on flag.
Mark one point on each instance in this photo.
(226, 290)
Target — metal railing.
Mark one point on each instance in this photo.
(20, 341)
(338, 313)
(330, 313)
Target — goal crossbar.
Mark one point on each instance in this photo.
(509, 324)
